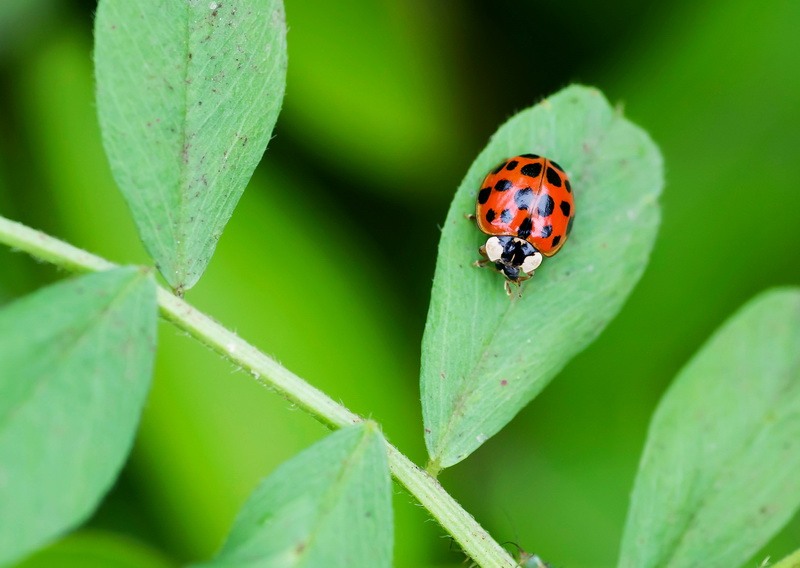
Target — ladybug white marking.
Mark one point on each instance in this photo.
(494, 250)
(531, 262)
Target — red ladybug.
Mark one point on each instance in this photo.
(526, 205)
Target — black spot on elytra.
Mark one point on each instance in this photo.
(553, 178)
(569, 226)
(483, 195)
(531, 156)
(555, 165)
(546, 205)
(523, 198)
(525, 227)
(490, 214)
(565, 208)
(547, 230)
(556, 240)
(531, 170)
(568, 186)
(506, 216)
(498, 168)
(502, 185)
(511, 165)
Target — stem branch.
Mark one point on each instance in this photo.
(474, 540)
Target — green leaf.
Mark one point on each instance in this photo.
(328, 506)
(187, 93)
(719, 474)
(791, 561)
(485, 356)
(75, 365)
(93, 549)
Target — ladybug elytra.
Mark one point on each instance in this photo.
(526, 206)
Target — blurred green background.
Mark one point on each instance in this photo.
(387, 104)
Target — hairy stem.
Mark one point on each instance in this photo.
(474, 540)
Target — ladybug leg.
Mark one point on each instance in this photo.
(522, 278)
(483, 261)
(470, 216)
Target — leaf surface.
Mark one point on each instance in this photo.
(76, 361)
(328, 506)
(188, 93)
(719, 473)
(485, 356)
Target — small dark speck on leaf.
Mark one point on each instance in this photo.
(190, 55)
(300, 548)
(442, 375)
(199, 103)
(427, 430)
(113, 27)
(503, 382)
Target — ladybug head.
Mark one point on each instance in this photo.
(512, 256)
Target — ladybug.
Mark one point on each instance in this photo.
(526, 206)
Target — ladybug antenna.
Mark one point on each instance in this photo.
(519, 548)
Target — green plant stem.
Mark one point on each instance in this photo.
(472, 538)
